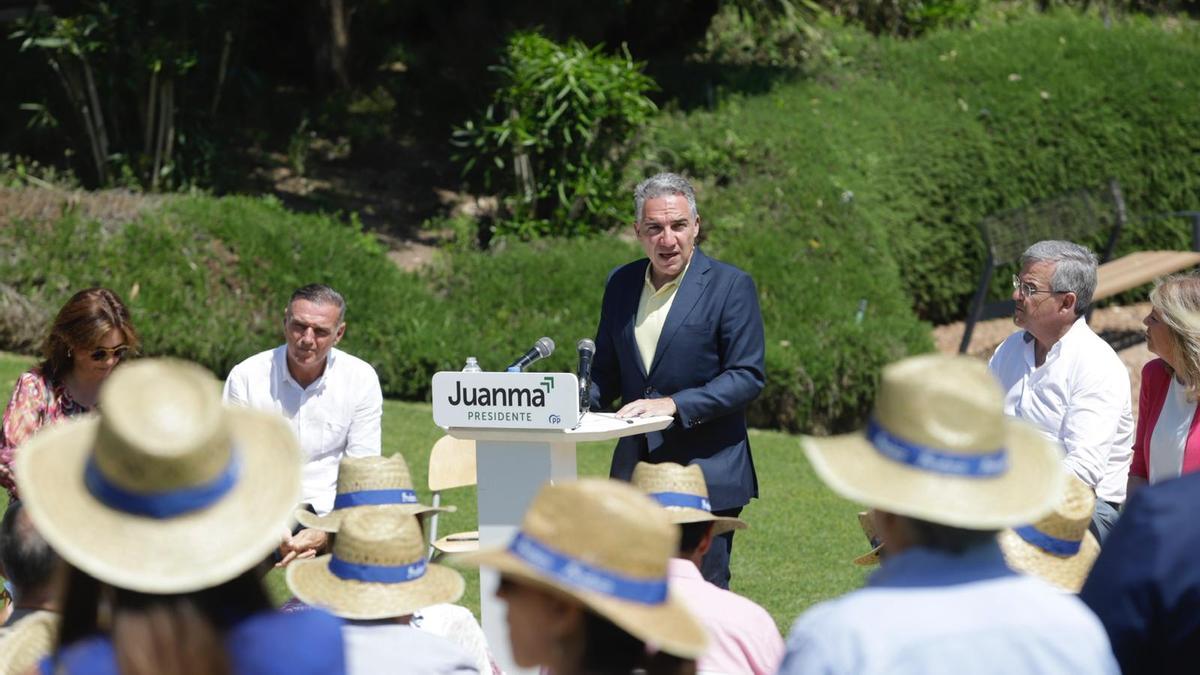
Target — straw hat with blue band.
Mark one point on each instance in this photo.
(681, 490)
(377, 570)
(28, 641)
(166, 491)
(1058, 548)
(369, 482)
(939, 448)
(606, 545)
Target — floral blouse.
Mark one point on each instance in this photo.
(35, 403)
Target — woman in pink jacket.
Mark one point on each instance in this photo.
(1167, 441)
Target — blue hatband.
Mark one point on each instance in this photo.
(374, 498)
(984, 465)
(587, 577)
(165, 504)
(682, 499)
(1049, 544)
(381, 574)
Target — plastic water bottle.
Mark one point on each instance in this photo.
(472, 366)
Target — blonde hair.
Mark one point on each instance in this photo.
(1177, 299)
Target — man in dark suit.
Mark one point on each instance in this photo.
(681, 335)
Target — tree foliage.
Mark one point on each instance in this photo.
(558, 134)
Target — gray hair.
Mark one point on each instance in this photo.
(662, 185)
(1074, 269)
(319, 294)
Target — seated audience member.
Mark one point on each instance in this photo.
(944, 469)
(35, 571)
(1058, 548)
(1167, 441)
(331, 400)
(29, 563)
(1058, 375)
(742, 636)
(88, 339)
(376, 577)
(385, 484)
(1145, 586)
(585, 582)
(162, 505)
(377, 483)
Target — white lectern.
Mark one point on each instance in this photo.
(513, 461)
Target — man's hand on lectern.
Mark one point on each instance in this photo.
(648, 407)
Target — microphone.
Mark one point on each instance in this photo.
(540, 350)
(587, 349)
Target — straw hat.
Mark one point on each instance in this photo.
(27, 642)
(682, 491)
(167, 491)
(365, 482)
(377, 570)
(868, 527)
(603, 543)
(1058, 548)
(939, 448)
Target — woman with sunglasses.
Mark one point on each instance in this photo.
(90, 336)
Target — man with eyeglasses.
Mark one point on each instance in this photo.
(332, 400)
(1061, 376)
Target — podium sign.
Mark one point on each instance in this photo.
(506, 400)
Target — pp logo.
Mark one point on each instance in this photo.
(555, 419)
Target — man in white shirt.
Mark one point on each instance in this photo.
(942, 468)
(1063, 378)
(332, 399)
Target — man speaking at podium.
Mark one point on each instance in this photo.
(681, 335)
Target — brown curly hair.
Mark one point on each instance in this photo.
(81, 323)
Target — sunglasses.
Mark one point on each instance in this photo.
(103, 353)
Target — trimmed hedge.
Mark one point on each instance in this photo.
(207, 279)
(851, 200)
(946, 130)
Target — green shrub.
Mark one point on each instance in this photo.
(926, 137)
(557, 135)
(207, 280)
(965, 124)
(851, 199)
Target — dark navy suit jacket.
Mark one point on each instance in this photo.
(1145, 586)
(709, 360)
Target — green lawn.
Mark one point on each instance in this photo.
(796, 552)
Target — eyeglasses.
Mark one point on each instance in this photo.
(102, 353)
(1027, 290)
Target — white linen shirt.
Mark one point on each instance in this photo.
(338, 414)
(1169, 437)
(1079, 398)
(1000, 626)
(385, 648)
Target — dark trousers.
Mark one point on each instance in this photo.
(715, 565)
(1103, 519)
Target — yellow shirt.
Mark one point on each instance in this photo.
(652, 314)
